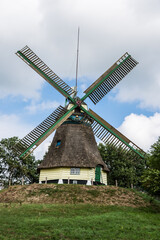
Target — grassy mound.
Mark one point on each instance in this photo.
(68, 194)
(76, 212)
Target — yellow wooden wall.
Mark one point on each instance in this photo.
(104, 177)
(64, 173)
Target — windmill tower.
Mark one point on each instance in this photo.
(73, 156)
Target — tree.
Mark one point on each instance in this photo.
(12, 167)
(151, 181)
(124, 167)
(154, 156)
(151, 176)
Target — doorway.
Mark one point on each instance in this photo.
(98, 173)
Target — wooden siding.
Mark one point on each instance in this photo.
(64, 173)
(104, 177)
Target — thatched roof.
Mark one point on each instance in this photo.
(78, 148)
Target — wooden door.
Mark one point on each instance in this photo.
(98, 174)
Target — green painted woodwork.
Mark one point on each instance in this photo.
(96, 119)
(98, 84)
(64, 93)
(45, 76)
(98, 174)
(59, 120)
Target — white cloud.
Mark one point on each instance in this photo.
(19, 22)
(43, 148)
(142, 130)
(35, 107)
(107, 30)
(127, 26)
(83, 87)
(12, 125)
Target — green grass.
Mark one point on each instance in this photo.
(78, 221)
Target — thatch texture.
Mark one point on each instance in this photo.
(78, 148)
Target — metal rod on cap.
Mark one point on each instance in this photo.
(77, 58)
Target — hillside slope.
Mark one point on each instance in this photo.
(67, 194)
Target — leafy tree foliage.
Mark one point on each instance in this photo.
(151, 181)
(13, 168)
(124, 167)
(154, 156)
(151, 176)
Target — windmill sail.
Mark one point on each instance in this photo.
(32, 140)
(28, 56)
(109, 135)
(95, 92)
(110, 78)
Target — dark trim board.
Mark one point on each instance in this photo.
(65, 181)
(83, 182)
(50, 181)
(72, 181)
(98, 183)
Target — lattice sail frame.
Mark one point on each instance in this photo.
(102, 129)
(28, 56)
(110, 78)
(109, 135)
(32, 140)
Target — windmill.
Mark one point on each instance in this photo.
(73, 155)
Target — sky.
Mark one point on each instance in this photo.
(108, 29)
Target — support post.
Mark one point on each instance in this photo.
(9, 182)
(116, 183)
(46, 180)
(60, 181)
(22, 181)
(91, 181)
(88, 182)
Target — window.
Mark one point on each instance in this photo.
(58, 143)
(75, 171)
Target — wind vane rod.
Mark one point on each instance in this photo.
(77, 58)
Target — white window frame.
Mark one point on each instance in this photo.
(74, 181)
(75, 171)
